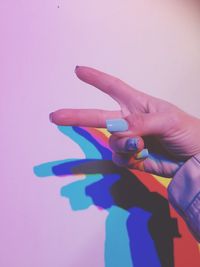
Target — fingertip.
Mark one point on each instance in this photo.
(143, 154)
(130, 145)
(51, 117)
(81, 68)
(134, 144)
(57, 117)
(76, 68)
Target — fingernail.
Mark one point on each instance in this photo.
(76, 68)
(116, 125)
(132, 144)
(51, 117)
(143, 154)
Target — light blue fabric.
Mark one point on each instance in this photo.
(184, 193)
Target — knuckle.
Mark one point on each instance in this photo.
(135, 121)
(99, 116)
(114, 83)
(174, 119)
(112, 141)
(118, 160)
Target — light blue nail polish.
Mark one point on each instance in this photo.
(116, 125)
(143, 154)
(132, 144)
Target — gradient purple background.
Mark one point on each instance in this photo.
(150, 44)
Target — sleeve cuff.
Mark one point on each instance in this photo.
(184, 193)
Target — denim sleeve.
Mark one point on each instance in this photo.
(184, 194)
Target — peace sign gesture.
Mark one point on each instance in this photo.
(170, 134)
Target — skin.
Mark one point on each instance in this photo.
(170, 134)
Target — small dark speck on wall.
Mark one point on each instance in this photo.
(58, 6)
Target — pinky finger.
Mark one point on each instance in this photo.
(130, 161)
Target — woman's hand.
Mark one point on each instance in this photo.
(170, 135)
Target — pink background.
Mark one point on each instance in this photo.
(153, 45)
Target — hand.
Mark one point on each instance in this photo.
(170, 134)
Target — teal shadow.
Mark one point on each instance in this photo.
(108, 186)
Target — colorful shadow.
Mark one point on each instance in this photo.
(141, 228)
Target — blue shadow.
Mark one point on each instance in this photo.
(139, 229)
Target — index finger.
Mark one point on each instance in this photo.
(116, 88)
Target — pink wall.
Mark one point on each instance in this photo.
(152, 45)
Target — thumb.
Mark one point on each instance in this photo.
(143, 124)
